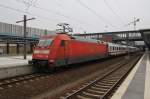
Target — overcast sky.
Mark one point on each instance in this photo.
(82, 15)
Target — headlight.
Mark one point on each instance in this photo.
(45, 52)
(41, 51)
(36, 52)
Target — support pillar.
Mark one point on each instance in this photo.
(7, 48)
(17, 49)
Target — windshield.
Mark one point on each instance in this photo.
(45, 42)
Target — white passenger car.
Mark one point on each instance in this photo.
(118, 49)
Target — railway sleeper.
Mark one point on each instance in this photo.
(107, 80)
(108, 84)
(99, 89)
(102, 86)
(83, 97)
(14, 80)
(115, 78)
(110, 81)
(2, 88)
(95, 91)
(91, 95)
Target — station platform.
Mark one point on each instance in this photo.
(11, 61)
(11, 66)
(137, 84)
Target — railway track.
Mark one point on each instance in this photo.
(103, 87)
(10, 82)
(37, 84)
(5, 83)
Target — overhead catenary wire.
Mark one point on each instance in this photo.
(59, 4)
(101, 18)
(41, 17)
(62, 15)
(111, 9)
(28, 3)
(81, 21)
(59, 14)
(22, 11)
(132, 22)
(119, 9)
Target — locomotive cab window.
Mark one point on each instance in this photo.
(45, 42)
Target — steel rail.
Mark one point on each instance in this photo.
(107, 93)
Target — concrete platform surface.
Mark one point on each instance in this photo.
(137, 84)
(9, 61)
(11, 66)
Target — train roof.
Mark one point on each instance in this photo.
(72, 37)
(86, 40)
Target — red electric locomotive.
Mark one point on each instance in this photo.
(63, 49)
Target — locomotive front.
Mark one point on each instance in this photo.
(41, 53)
